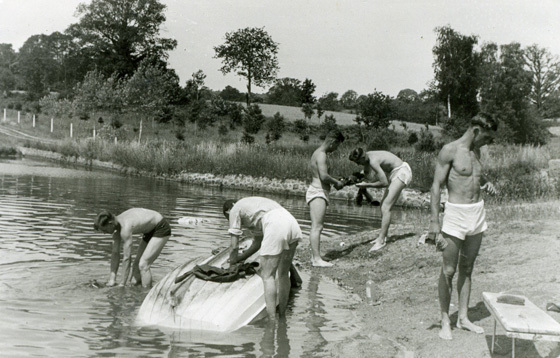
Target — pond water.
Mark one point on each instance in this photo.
(49, 253)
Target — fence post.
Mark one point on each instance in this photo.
(18, 116)
(71, 130)
(52, 119)
(93, 131)
(115, 140)
(140, 132)
(33, 121)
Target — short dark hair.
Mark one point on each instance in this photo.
(485, 120)
(356, 154)
(228, 204)
(102, 219)
(335, 135)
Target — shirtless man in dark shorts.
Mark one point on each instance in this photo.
(155, 232)
(464, 221)
(383, 169)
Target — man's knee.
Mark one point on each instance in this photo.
(317, 226)
(448, 271)
(386, 207)
(466, 268)
(143, 264)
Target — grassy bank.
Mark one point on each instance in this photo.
(519, 172)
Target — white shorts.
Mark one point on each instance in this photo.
(280, 229)
(402, 172)
(462, 220)
(314, 193)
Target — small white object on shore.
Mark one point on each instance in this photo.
(192, 221)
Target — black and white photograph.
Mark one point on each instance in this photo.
(266, 178)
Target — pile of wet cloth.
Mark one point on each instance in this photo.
(217, 274)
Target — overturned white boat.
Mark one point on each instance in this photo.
(197, 304)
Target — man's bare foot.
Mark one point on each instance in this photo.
(445, 332)
(469, 326)
(378, 245)
(320, 263)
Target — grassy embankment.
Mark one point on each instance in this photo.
(515, 169)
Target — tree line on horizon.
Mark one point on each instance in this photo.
(114, 59)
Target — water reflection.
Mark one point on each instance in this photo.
(49, 253)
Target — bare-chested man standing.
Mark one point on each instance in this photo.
(317, 196)
(391, 173)
(464, 222)
(155, 232)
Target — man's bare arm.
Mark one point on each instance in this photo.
(443, 166)
(115, 258)
(255, 246)
(324, 174)
(126, 237)
(382, 180)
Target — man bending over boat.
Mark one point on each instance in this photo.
(276, 233)
(391, 173)
(155, 232)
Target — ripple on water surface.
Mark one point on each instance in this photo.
(49, 254)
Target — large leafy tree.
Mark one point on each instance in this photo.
(349, 99)
(374, 111)
(505, 93)
(120, 34)
(456, 64)
(545, 73)
(252, 54)
(285, 91)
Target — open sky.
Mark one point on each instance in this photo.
(364, 45)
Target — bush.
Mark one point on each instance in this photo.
(247, 138)
(235, 113)
(301, 128)
(253, 119)
(223, 129)
(18, 106)
(427, 142)
(412, 138)
(329, 124)
(275, 127)
(115, 123)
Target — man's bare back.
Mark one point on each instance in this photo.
(139, 220)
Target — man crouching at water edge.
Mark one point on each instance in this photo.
(376, 165)
(155, 232)
(276, 233)
(464, 222)
(317, 195)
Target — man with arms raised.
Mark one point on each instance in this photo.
(155, 232)
(376, 166)
(464, 222)
(317, 195)
(276, 234)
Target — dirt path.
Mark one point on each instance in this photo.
(520, 254)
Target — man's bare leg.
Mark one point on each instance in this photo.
(268, 270)
(389, 199)
(469, 252)
(135, 269)
(445, 284)
(152, 251)
(317, 209)
(283, 277)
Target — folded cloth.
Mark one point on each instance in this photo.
(511, 300)
(552, 307)
(217, 274)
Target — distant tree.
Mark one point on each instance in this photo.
(374, 111)
(349, 99)
(307, 109)
(307, 90)
(329, 101)
(275, 127)
(285, 91)
(407, 95)
(505, 94)
(7, 55)
(194, 88)
(301, 128)
(97, 93)
(151, 89)
(252, 54)
(319, 110)
(545, 73)
(456, 67)
(253, 120)
(232, 94)
(328, 125)
(120, 34)
(7, 80)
